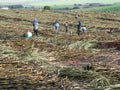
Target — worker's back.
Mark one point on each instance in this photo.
(83, 29)
(28, 34)
(36, 26)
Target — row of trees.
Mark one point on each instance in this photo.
(44, 8)
(15, 6)
(67, 8)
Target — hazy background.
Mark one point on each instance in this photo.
(56, 2)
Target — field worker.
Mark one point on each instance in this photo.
(66, 27)
(28, 34)
(56, 26)
(78, 27)
(83, 29)
(35, 21)
(35, 26)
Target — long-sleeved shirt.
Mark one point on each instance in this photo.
(36, 26)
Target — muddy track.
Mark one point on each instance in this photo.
(109, 44)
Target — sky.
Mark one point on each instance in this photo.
(50, 2)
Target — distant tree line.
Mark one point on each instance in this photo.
(77, 4)
(15, 6)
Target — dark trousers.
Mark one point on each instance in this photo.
(36, 32)
(78, 29)
(66, 29)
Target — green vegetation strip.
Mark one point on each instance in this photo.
(113, 8)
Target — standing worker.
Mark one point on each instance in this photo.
(35, 26)
(56, 26)
(78, 27)
(66, 27)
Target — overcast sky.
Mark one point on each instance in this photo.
(60, 1)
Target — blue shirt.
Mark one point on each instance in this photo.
(35, 21)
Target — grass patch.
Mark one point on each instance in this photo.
(95, 79)
(113, 8)
(77, 74)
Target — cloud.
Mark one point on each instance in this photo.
(15, 1)
(58, 1)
